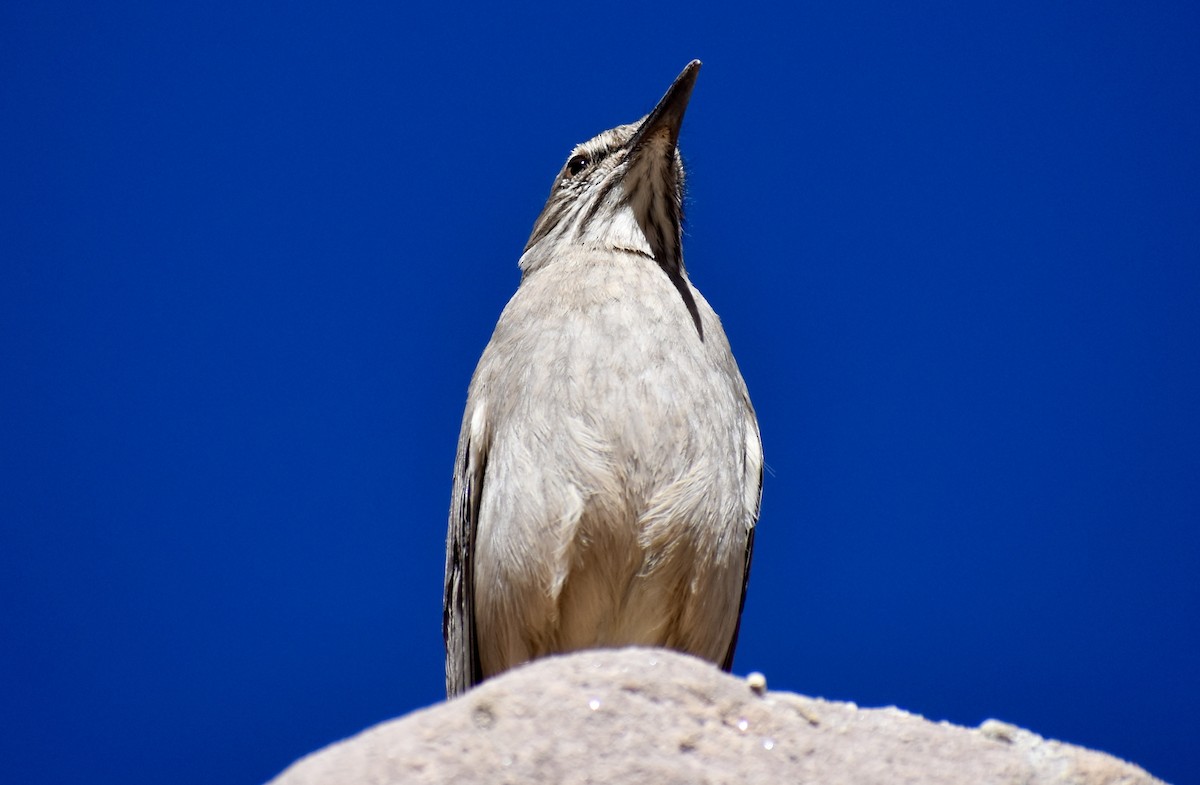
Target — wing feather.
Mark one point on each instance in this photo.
(458, 609)
(752, 462)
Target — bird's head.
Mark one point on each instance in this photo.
(621, 191)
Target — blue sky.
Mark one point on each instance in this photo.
(250, 255)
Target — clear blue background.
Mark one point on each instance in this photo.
(250, 256)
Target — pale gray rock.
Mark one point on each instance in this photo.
(655, 716)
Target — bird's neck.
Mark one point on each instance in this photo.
(616, 232)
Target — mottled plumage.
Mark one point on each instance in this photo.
(609, 467)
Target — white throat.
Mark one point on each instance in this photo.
(621, 232)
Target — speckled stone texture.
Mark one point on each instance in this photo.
(654, 716)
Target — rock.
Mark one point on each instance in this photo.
(655, 716)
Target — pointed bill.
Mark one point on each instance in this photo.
(668, 115)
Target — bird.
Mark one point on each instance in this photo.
(608, 476)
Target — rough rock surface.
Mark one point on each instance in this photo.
(654, 716)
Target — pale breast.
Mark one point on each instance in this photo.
(625, 434)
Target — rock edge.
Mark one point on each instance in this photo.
(656, 716)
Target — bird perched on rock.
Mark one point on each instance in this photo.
(609, 466)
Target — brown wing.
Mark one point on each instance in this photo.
(458, 609)
(727, 663)
(752, 461)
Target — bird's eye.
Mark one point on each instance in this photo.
(577, 164)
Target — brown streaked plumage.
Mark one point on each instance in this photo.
(609, 467)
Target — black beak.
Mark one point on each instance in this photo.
(667, 117)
